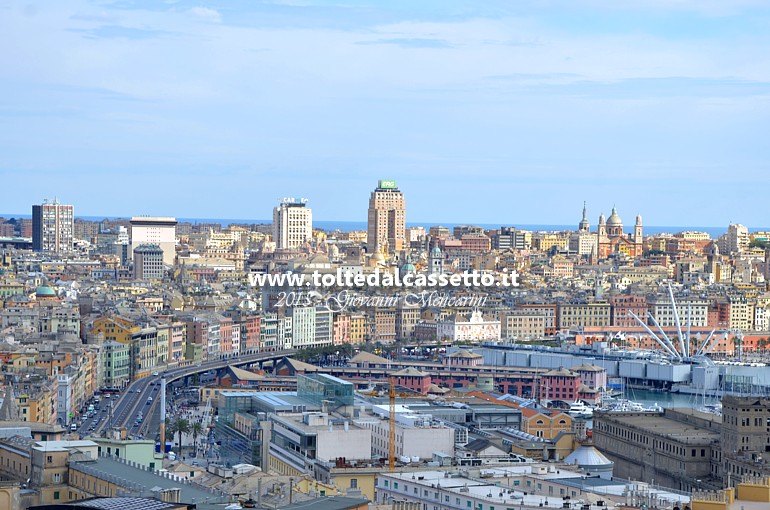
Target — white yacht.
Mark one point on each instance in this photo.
(579, 409)
(629, 406)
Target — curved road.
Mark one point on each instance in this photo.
(135, 398)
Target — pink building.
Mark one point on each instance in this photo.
(226, 336)
(592, 376)
(476, 243)
(413, 379)
(560, 384)
(622, 305)
(341, 329)
(250, 333)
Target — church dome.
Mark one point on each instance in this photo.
(436, 251)
(45, 291)
(408, 267)
(614, 220)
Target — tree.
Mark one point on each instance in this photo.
(170, 431)
(737, 343)
(196, 429)
(181, 426)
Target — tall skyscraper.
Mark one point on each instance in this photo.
(387, 218)
(52, 226)
(292, 224)
(155, 230)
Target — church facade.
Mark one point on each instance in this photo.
(609, 238)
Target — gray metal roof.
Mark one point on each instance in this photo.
(329, 503)
(137, 479)
(587, 455)
(124, 504)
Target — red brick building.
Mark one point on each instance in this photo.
(413, 379)
(560, 384)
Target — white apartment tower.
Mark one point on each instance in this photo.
(735, 240)
(155, 230)
(387, 218)
(292, 224)
(52, 227)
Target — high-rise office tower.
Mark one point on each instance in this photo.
(155, 230)
(387, 218)
(52, 226)
(292, 224)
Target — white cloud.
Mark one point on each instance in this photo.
(207, 14)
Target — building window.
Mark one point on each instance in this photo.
(56, 495)
(354, 483)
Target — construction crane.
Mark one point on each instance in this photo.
(392, 425)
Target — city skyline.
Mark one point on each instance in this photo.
(360, 223)
(518, 111)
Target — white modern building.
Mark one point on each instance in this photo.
(312, 326)
(299, 441)
(52, 227)
(418, 436)
(735, 240)
(155, 230)
(663, 312)
(292, 224)
(531, 486)
(468, 328)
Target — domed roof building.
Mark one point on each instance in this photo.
(614, 220)
(407, 266)
(612, 240)
(377, 260)
(44, 292)
(591, 460)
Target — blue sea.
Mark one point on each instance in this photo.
(349, 226)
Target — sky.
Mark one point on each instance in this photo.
(483, 111)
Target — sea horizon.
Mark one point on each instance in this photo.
(349, 226)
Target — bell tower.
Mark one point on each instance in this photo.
(584, 226)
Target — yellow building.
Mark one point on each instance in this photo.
(591, 314)
(545, 241)
(547, 425)
(36, 397)
(163, 345)
(276, 465)
(10, 496)
(348, 477)
(114, 328)
(22, 361)
(358, 329)
(754, 493)
(15, 459)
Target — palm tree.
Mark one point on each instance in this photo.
(181, 426)
(737, 343)
(196, 429)
(170, 431)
